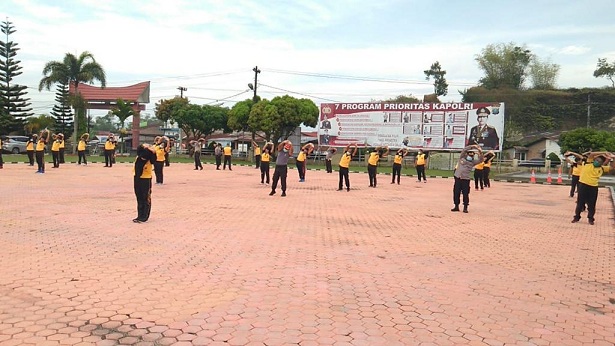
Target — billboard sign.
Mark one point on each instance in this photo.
(433, 126)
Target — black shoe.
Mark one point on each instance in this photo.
(591, 222)
(136, 221)
(575, 220)
(201, 168)
(347, 189)
(392, 182)
(283, 194)
(465, 210)
(455, 209)
(340, 189)
(271, 193)
(196, 169)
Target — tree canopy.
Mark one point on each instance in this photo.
(504, 65)
(440, 86)
(279, 118)
(196, 120)
(605, 70)
(586, 139)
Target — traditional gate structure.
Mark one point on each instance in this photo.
(106, 98)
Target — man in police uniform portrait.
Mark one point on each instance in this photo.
(482, 134)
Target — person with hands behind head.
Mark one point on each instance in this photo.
(399, 157)
(257, 154)
(285, 150)
(197, 145)
(264, 162)
(487, 167)
(142, 172)
(597, 164)
(372, 164)
(328, 157)
(302, 159)
(345, 164)
(576, 166)
(469, 157)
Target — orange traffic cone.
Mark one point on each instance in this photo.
(559, 175)
(533, 177)
(549, 177)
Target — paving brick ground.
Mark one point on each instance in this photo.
(222, 263)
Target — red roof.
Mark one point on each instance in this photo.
(133, 93)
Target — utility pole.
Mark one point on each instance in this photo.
(181, 91)
(256, 72)
(588, 108)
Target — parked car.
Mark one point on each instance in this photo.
(536, 163)
(14, 144)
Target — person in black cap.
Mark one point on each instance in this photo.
(482, 134)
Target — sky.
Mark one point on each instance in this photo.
(327, 51)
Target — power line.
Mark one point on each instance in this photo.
(298, 93)
(363, 79)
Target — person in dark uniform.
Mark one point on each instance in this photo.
(482, 134)
(143, 181)
(285, 150)
(218, 155)
(397, 161)
(109, 150)
(40, 150)
(61, 138)
(325, 124)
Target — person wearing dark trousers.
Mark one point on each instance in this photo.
(55, 151)
(575, 170)
(218, 154)
(372, 164)
(228, 153)
(328, 158)
(83, 142)
(469, 157)
(143, 182)
(478, 175)
(487, 168)
(109, 150)
(285, 150)
(419, 163)
(597, 164)
(40, 151)
(61, 138)
(344, 166)
(257, 154)
(159, 163)
(167, 150)
(30, 148)
(264, 163)
(397, 161)
(302, 159)
(197, 146)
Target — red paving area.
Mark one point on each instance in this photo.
(220, 262)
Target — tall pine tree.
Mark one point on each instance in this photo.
(61, 110)
(15, 108)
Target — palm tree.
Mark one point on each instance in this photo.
(123, 110)
(73, 70)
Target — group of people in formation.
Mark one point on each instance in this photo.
(586, 170)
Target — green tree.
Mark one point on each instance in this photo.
(606, 70)
(440, 86)
(122, 110)
(239, 115)
(61, 109)
(196, 120)
(74, 70)
(504, 65)
(587, 139)
(105, 123)
(279, 118)
(14, 107)
(167, 110)
(543, 74)
(36, 124)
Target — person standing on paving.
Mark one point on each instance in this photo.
(597, 164)
(285, 150)
(142, 173)
(399, 157)
(228, 153)
(344, 165)
(470, 156)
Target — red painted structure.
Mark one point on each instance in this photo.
(106, 98)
